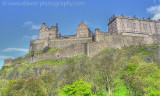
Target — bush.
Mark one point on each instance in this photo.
(155, 93)
(78, 88)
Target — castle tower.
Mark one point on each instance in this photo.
(43, 32)
(53, 32)
(99, 36)
(83, 30)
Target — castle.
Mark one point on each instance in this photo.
(123, 31)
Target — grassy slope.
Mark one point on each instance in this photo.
(136, 72)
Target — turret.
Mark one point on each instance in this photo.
(98, 35)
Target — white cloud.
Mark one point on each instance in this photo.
(15, 49)
(156, 16)
(32, 25)
(5, 57)
(155, 10)
(33, 37)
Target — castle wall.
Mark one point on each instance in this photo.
(8, 62)
(118, 41)
(68, 52)
(38, 45)
(89, 48)
(61, 43)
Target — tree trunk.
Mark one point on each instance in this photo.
(108, 84)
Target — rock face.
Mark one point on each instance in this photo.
(84, 42)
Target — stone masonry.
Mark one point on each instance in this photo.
(123, 31)
(122, 25)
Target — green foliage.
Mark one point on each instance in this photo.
(13, 88)
(36, 52)
(54, 49)
(69, 60)
(121, 89)
(131, 68)
(28, 54)
(131, 71)
(3, 85)
(157, 93)
(33, 87)
(78, 88)
(50, 62)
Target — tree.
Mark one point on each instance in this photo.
(32, 87)
(50, 82)
(13, 88)
(78, 88)
(106, 68)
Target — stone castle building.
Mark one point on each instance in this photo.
(83, 30)
(46, 33)
(52, 39)
(123, 31)
(127, 25)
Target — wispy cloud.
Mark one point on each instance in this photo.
(15, 49)
(155, 10)
(32, 25)
(5, 57)
(29, 38)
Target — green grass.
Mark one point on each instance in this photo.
(50, 62)
(36, 52)
(54, 49)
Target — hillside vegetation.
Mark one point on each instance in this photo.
(131, 71)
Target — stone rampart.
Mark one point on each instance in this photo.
(87, 47)
(39, 45)
(118, 41)
(67, 52)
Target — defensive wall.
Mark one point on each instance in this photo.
(38, 45)
(107, 41)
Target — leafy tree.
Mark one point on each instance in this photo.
(136, 85)
(13, 88)
(3, 86)
(106, 69)
(78, 88)
(50, 82)
(32, 87)
(157, 93)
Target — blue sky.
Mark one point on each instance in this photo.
(20, 20)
